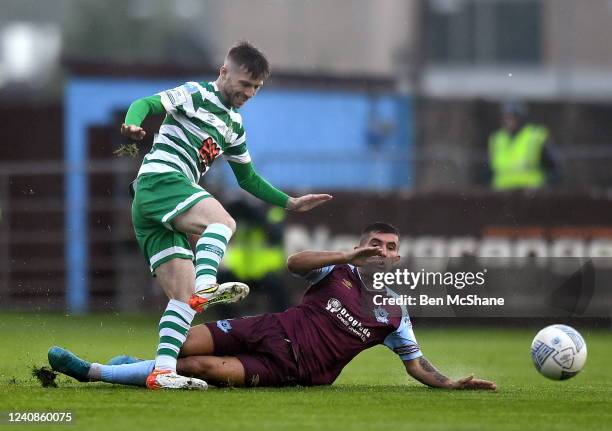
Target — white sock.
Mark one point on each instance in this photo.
(173, 328)
(209, 251)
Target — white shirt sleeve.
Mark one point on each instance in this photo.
(316, 275)
(403, 342)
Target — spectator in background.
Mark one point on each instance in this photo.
(257, 255)
(520, 155)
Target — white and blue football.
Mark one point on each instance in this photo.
(558, 352)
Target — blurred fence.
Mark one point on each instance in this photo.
(34, 242)
(35, 231)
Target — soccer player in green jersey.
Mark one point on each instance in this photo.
(201, 124)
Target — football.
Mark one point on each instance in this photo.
(558, 352)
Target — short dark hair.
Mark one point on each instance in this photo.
(252, 59)
(379, 227)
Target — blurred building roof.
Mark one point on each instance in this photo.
(462, 48)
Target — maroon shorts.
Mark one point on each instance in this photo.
(261, 345)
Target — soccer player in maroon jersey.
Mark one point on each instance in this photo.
(305, 345)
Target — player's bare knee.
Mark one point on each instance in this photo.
(226, 220)
(229, 221)
(232, 224)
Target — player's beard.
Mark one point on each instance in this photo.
(238, 100)
(235, 99)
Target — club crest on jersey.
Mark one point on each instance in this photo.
(224, 129)
(381, 315)
(333, 305)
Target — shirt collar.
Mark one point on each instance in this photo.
(221, 98)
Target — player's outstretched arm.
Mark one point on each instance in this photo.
(307, 202)
(423, 371)
(250, 181)
(138, 111)
(305, 261)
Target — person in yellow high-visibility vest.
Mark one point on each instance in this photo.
(254, 257)
(258, 254)
(519, 153)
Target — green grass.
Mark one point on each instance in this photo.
(372, 393)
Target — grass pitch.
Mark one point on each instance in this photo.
(372, 393)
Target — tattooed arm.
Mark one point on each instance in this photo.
(422, 370)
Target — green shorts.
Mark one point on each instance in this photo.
(158, 199)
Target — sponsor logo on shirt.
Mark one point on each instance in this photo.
(334, 306)
(208, 152)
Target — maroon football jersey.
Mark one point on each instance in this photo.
(337, 319)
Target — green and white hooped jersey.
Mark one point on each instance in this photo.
(195, 113)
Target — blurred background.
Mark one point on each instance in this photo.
(481, 128)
